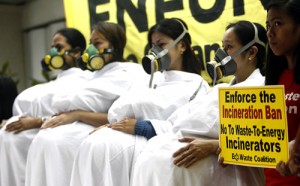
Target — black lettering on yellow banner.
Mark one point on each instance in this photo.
(206, 20)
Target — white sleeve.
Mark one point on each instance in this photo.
(200, 116)
(161, 126)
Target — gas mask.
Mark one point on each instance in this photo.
(55, 59)
(92, 58)
(154, 59)
(158, 58)
(223, 64)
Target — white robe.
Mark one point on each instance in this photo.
(34, 102)
(52, 151)
(106, 157)
(198, 118)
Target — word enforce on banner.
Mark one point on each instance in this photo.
(139, 14)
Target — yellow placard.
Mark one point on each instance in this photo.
(253, 126)
(206, 21)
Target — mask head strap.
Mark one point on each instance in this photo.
(255, 40)
(165, 51)
(229, 58)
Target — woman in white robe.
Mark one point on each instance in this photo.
(188, 155)
(32, 105)
(107, 156)
(52, 151)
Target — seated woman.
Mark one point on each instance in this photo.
(188, 155)
(52, 151)
(107, 156)
(31, 106)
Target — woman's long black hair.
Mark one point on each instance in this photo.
(277, 64)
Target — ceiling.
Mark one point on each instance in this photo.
(13, 2)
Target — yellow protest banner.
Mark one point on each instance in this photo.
(206, 21)
(253, 126)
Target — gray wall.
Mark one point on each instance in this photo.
(11, 40)
(25, 36)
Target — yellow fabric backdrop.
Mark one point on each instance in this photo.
(206, 20)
